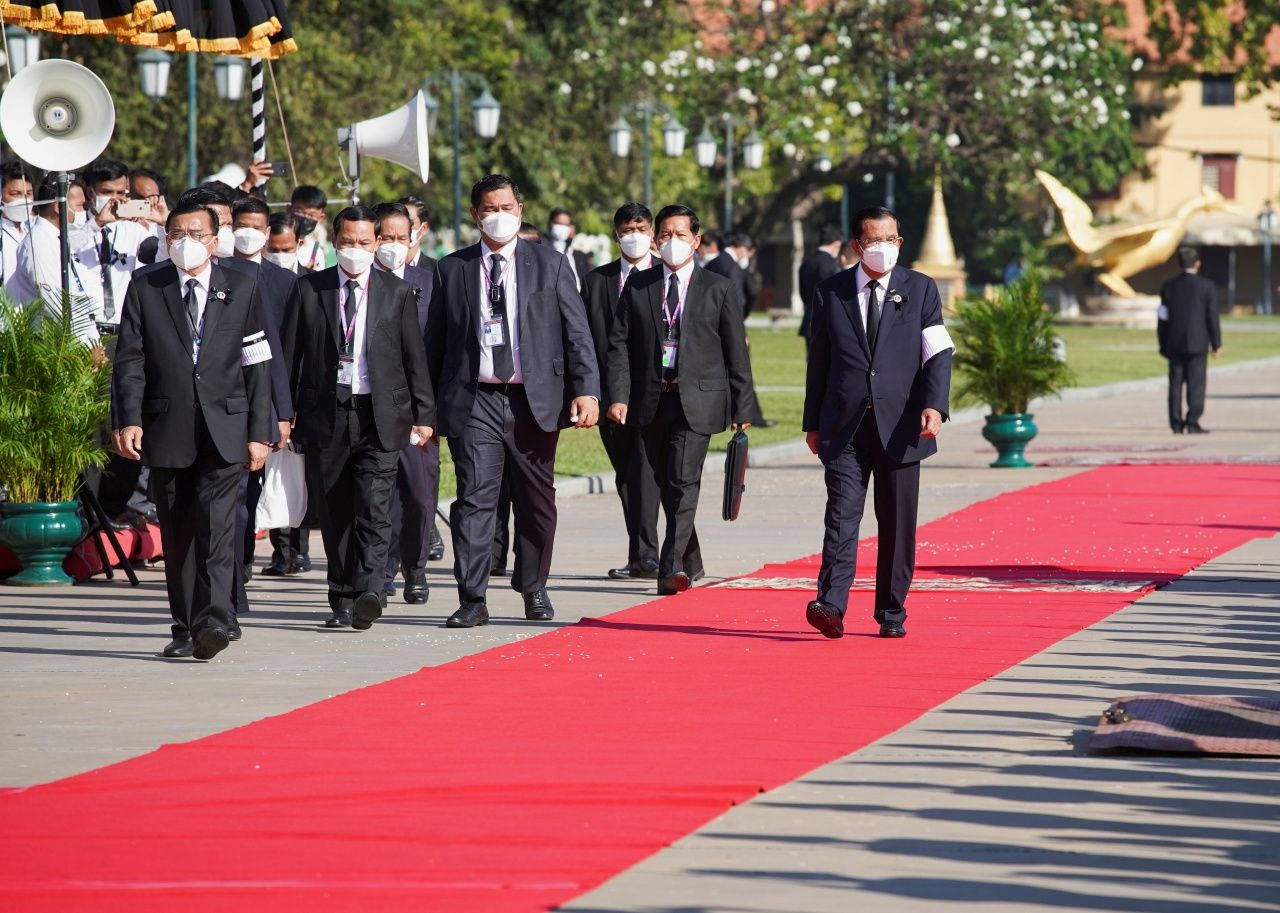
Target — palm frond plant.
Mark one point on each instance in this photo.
(1006, 357)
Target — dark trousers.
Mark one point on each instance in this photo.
(502, 435)
(674, 453)
(637, 490)
(413, 510)
(1189, 373)
(196, 506)
(248, 492)
(502, 523)
(897, 495)
(290, 543)
(354, 478)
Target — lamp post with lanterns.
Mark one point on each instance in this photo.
(673, 135)
(1266, 225)
(228, 79)
(485, 112)
(752, 155)
(24, 47)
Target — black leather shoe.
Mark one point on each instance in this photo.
(471, 615)
(498, 569)
(248, 571)
(892, 629)
(538, 607)
(180, 646)
(415, 589)
(389, 589)
(278, 567)
(301, 564)
(1194, 428)
(234, 631)
(675, 583)
(645, 570)
(825, 618)
(367, 610)
(123, 522)
(436, 552)
(1178, 427)
(211, 641)
(341, 618)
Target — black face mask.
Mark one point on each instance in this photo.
(305, 226)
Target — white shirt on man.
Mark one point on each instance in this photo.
(628, 267)
(123, 237)
(198, 283)
(360, 382)
(683, 276)
(39, 275)
(11, 236)
(508, 253)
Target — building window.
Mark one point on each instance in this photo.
(1219, 172)
(1217, 91)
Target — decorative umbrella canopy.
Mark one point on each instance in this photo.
(249, 28)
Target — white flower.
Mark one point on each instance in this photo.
(771, 71)
(807, 122)
(828, 85)
(746, 96)
(1136, 65)
(742, 65)
(767, 6)
(1024, 14)
(622, 21)
(999, 11)
(854, 108)
(803, 52)
(944, 26)
(978, 95)
(822, 136)
(1048, 61)
(816, 70)
(565, 88)
(981, 53)
(789, 150)
(953, 140)
(650, 68)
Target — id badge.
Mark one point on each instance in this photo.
(670, 350)
(346, 370)
(491, 333)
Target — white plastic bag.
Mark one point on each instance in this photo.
(283, 504)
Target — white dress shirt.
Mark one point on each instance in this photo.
(124, 237)
(628, 266)
(683, 275)
(11, 235)
(202, 280)
(39, 275)
(360, 368)
(508, 254)
(863, 281)
(565, 248)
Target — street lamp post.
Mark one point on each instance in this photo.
(1266, 223)
(752, 156)
(673, 134)
(485, 112)
(24, 47)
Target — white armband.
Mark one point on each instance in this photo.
(933, 340)
(254, 349)
(1162, 312)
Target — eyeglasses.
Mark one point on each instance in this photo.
(867, 242)
(177, 235)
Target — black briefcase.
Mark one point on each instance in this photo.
(735, 475)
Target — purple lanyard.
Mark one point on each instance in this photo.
(349, 329)
(680, 299)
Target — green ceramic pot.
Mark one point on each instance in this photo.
(40, 534)
(1010, 432)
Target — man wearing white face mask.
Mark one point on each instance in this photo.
(191, 396)
(678, 371)
(15, 215)
(561, 231)
(419, 227)
(115, 250)
(359, 376)
(417, 491)
(637, 489)
(511, 354)
(876, 396)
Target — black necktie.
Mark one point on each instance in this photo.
(193, 310)
(873, 316)
(673, 328)
(105, 255)
(349, 309)
(504, 365)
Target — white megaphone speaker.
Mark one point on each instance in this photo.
(399, 136)
(57, 115)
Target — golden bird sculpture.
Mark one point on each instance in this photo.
(1123, 250)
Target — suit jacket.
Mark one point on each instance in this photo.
(1188, 319)
(156, 386)
(557, 359)
(601, 293)
(429, 264)
(814, 268)
(715, 373)
(274, 287)
(423, 282)
(843, 376)
(582, 263)
(401, 394)
(724, 265)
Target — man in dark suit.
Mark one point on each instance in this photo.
(561, 231)
(191, 378)
(730, 264)
(511, 354)
(876, 396)
(360, 381)
(636, 486)
(822, 264)
(678, 369)
(413, 501)
(420, 224)
(1188, 330)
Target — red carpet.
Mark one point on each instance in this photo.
(519, 778)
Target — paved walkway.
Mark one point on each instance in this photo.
(988, 802)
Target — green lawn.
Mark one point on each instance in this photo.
(1098, 355)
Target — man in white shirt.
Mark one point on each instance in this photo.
(15, 215)
(562, 230)
(114, 252)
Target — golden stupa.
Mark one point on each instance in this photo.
(938, 258)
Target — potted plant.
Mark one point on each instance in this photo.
(54, 399)
(1006, 357)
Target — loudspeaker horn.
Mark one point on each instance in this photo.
(57, 115)
(399, 136)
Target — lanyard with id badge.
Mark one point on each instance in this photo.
(347, 358)
(671, 344)
(491, 334)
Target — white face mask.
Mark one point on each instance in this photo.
(636, 244)
(18, 211)
(393, 254)
(561, 232)
(80, 218)
(355, 260)
(501, 226)
(880, 257)
(249, 240)
(283, 260)
(189, 254)
(226, 242)
(744, 262)
(675, 251)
